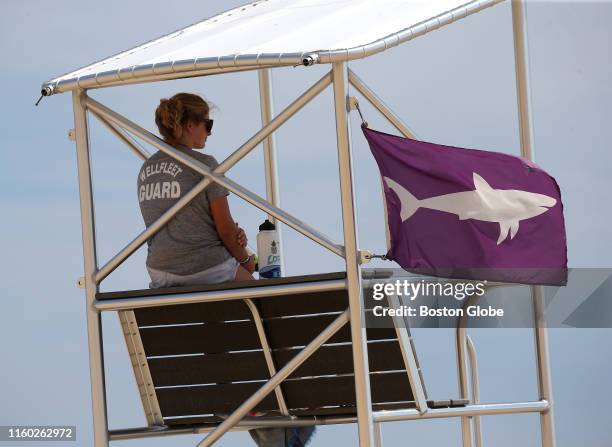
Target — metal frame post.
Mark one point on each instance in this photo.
(94, 318)
(475, 395)
(521, 57)
(269, 146)
(408, 354)
(378, 436)
(112, 304)
(461, 340)
(403, 334)
(353, 268)
(547, 421)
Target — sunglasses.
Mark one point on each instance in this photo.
(209, 124)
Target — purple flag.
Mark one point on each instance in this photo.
(472, 214)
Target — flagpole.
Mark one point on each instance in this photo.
(521, 57)
(363, 396)
(270, 163)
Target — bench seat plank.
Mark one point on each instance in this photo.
(299, 393)
(244, 366)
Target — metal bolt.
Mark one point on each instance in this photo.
(310, 60)
(365, 256)
(72, 135)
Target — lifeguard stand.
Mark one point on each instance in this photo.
(244, 39)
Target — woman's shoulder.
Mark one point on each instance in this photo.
(155, 157)
(208, 159)
(160, 156)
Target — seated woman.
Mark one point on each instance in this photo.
(201, 244)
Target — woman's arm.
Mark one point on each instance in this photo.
(227, 228)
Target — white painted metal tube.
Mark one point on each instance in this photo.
(123, 137)
(265, 347)
(378, 437)
(468, 410)
(461, 351)
(378, 103)
(379, 416)
(408, 356)
(219, 295)
(266, 102)
(293, 364)
(94, 320)
(521, 67)
(547, 420)
(246, 423)
(271, 168)
(163, 77)
(353, 268)
(521, 59)
(160, 72)
(475, 398)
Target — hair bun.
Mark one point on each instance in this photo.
(172, 114)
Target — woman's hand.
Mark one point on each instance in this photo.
(241, 236)
(231, 234)
(250, 265)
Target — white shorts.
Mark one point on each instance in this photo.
(226, 271)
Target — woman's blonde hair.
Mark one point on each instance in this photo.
(172, 114)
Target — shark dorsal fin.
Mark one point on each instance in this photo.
(481, 184)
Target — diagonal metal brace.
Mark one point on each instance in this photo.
(260, 394)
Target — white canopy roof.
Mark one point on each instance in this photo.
(273, 33)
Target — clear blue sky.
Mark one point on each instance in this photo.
(454, 86)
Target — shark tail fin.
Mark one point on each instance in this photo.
(409, 202)
(505, 228)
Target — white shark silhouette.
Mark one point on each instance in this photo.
(504, 206)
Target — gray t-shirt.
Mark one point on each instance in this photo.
(189, 243)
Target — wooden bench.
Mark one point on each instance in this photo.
(196, 362)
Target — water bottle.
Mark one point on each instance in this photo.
(268, 251)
